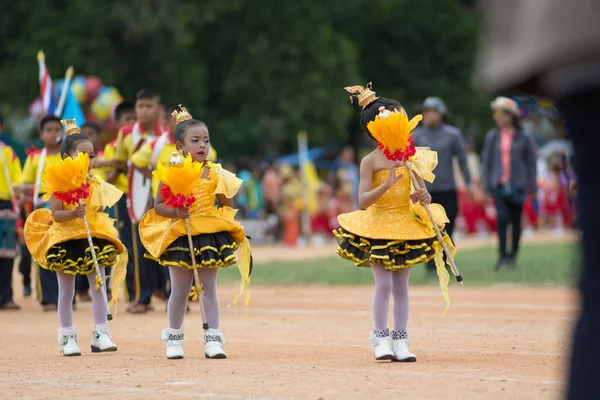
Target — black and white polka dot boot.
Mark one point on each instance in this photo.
(173, 341)
(214, 340)
(400, 342)
(380, 344)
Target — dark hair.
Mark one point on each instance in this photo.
(173, 107)
(92, 125)
(123, 107)
(147, 94)
(182, 127)
(1, 118)
(47, 119)
(516, 121)
(69, 143)
(372, 110)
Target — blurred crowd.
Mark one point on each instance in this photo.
(272, 197)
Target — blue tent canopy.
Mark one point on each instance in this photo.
(322, 157)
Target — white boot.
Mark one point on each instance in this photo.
(380, 344)
(400, 342)
(67, 339)
(213, 344)
(173, 340)
(101, 339)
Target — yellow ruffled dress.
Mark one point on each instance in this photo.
(63, 246)
(215, 233)
(394, 232)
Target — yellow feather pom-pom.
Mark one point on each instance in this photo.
(69, 174)
(392, 129)
(181, 179)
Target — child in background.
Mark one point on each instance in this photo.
(33, 171)
(58, 242)
(319, 220)
(290, 217)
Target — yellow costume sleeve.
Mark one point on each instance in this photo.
(123, 146)
(30, 168)
(227, 184)
(104, 194)
(143, 157)
(109, 152)
(122, 182)
(14, 166)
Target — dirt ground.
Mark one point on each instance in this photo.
(307, 343)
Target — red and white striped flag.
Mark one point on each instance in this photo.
(46, 92)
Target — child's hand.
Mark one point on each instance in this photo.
(424, 196)
(80, 211)
(393, 176)
(182, 213)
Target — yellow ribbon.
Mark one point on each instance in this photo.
(423, 163)
(98, 282)
(196, 291)
(244, 263)
(118, 278)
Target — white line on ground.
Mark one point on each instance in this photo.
(106, 389)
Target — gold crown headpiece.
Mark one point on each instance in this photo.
(181, 116)
(364, 94)
(70, 126)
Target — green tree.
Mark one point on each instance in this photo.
(257, 71)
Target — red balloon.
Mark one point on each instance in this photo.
(93, 85)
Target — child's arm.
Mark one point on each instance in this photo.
(422, 193)
(61, 215)
(366, 196)
(165, 211)
(224, 201)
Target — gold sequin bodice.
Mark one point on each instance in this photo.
(398, 196)
(392, 217)
(205, 196)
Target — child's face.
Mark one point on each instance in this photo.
(85, 146)
(93, 135)
(50, 134)
(126, 118)
(147, 111)
(195, 142)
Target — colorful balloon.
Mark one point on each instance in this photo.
(103, 105)
(93, 86)
(78, 87)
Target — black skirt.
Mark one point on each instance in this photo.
(214, 250)
(393, 254)
(75, 256)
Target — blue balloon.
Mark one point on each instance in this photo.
(105, 89)
(58, 85)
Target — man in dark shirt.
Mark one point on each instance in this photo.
(448, 142)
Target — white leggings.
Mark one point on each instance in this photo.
(66, 293)
(181, 285)
(389, 282)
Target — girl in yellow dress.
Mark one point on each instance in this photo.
(214, 233)
(391, 234)
(57, 238)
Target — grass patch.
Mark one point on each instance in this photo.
(556, 264)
